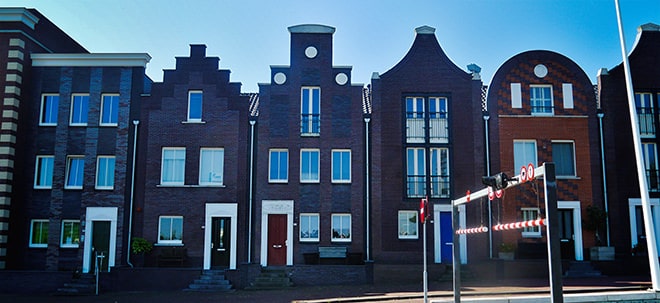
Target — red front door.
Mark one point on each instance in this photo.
(276, 240)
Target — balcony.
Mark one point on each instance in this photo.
(440, 187)
(416, 186)
(646, 119)
(438, 130)
(415, 131)
(310, 124)
(653, 179)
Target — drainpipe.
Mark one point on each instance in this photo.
(249, 235)
(368, 180)
(486, 117)
(602, 158)
(130, 209)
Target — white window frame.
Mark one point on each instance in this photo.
(39, 171)
(38, 245)
(308, 217)
(530, 232)
(650, 165)
(645, 100)
(350, 227)
(415, 171)
(67, 178)
(309, 129)
(170, 242)
(42, 114)
(572, 143)
(202, 166)
(303, 178)
(81, 115)
(341, 152)
(436, 157)
(98, 172)
(409, 214)
(112, 98)
(519, 165)
(552, 100)
(279, 151)
(183, 168)
(63, 243)
(201, 106)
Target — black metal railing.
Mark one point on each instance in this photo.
(310, 124)
(646, 119)
(440, 187)
(653, 179)
(416, 186)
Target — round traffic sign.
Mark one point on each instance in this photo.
(491, 194)
(499, 193)
(523, 174)
(530, 171)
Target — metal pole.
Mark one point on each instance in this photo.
(426, 285)
(368, 181)
(649, 227)
(456, 258)
(250, 202)
(552, 216)
(130, 208)
(605, 199)
(490, 210)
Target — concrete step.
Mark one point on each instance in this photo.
(211, 280)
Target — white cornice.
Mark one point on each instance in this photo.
(18, 14)
(97, 59)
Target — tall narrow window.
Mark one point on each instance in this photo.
(541, 99)
(440, 172)
(309, 166)
(650, 153)
(39, 233)
(341, 166)
(563, 154)
(416, 176)
(48, 115)
(530, 214)
(438, 120)
(645, 114)
(310, 111)
(173, 166)
(70, 233)
(211, 166)
(170, 230)
(415, 131)
(524, 152)
(278, 168)
(309, 227)
(75, 166)
(79, 109)
(341, 227)
(194, 106)
(109, 110)
(105, 172)
(43, 174)
(407, 224)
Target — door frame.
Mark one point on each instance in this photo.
(99, 214)
(437, 208)
(277, 207)
(655, 214)
(220, 210)
(577, 226)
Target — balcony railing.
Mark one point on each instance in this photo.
(646, 119)
(540, 109)
(439, 130)
(440, 187)
(416, 186)
(415, 132)
(653, 179)
(310, 124)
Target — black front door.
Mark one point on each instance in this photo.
(220, 242)
(566, 234)
(100, 245)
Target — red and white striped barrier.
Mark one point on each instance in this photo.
(475, 230)
(517, 225)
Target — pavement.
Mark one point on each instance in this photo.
(437, 291)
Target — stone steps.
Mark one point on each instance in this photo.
(271, 278)
(211, 280)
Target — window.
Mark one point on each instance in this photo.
(341, 166)
(170, 230)
(173, 166)
(70, 233)
(309, 227)
(530, 214)
(310, 111)
(105, 172)
(416, 177)
(341, 227)
(309, 166)
(645, 117)
(43, 175)
(524, 152)
(109, 110)
(79, 109)
(211, 166)
(650, 153)
(440, 172)
(415, 132)
(39, 233)
(407, 224)
(541, 99)
(438, 123)
(563, 154)
(195, 106)
(49, 104)
(75, 166)
(278, 169)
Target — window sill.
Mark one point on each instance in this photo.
(108, 125)
(48, 125)
(568, 178)
(69, 246)
(341, 182)
(168, 244)
(310, 134)
(78, 125)
(278, 182)
(190, 185)
(340, 240)
(193, 122)
(38, 246)
(408, 238)
(73, 187)
(311, 241)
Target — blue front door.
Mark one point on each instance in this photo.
(446, 237)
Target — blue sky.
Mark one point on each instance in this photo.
(371, 35)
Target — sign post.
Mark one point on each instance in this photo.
(422, 218)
